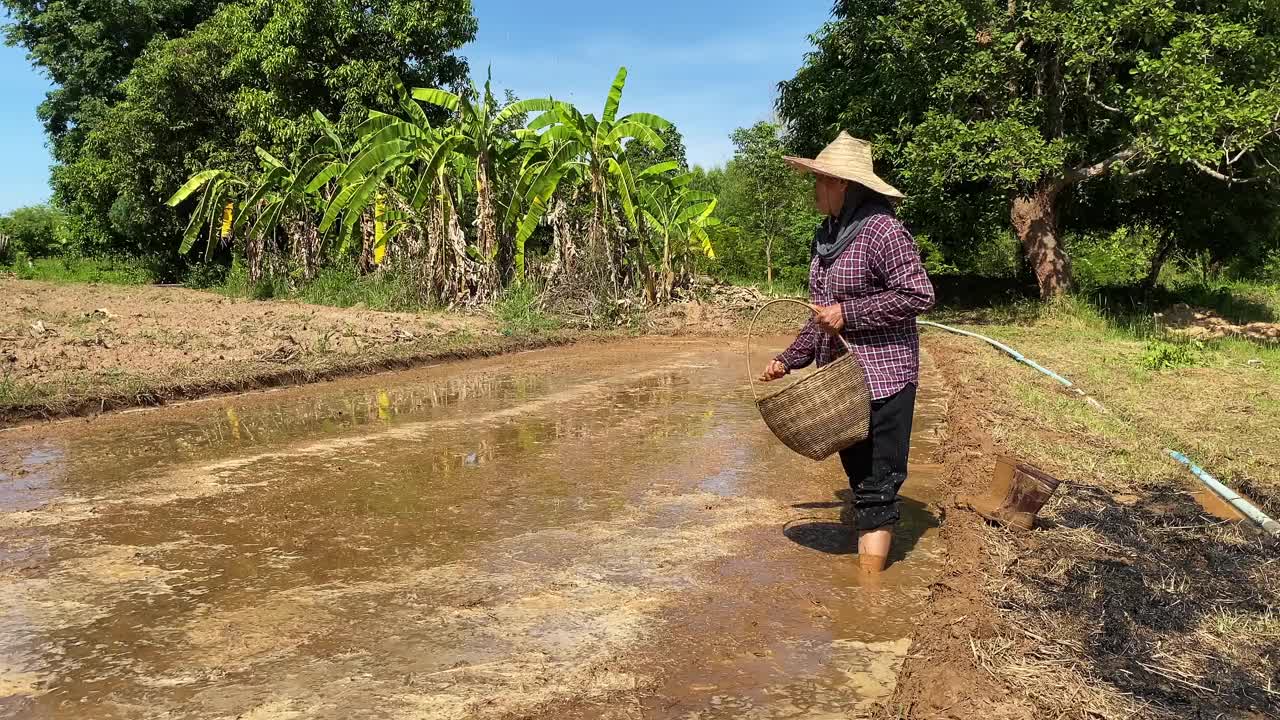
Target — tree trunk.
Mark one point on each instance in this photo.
(254, 247)
(1035, 219)
(768, 262)
(467, 280)
(495, 266)
(306, 245)
(1163, 250)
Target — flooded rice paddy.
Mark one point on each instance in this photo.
(596, 531)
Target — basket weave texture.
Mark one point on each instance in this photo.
(821, 413)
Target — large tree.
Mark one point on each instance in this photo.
(642, 155)
(770, 204)
(986, 101)
(206, 91)
(88, 49)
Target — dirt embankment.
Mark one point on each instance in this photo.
(78, 349)
(1131, 601)
(81, 349)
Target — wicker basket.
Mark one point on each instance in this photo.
(819, 414)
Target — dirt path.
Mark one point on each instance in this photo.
(602, 531)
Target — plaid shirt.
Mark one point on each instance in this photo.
(881, 287)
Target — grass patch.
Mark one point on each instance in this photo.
(341, 286)
(15, 393)
(386, 290)
(1217, 401)
(520, 311)
(1229, 622)
(72, 269)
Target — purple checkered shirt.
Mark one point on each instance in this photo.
(881, 287)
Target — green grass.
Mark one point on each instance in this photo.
(15, 393)
(338, 286)
(1165, 355)
(519, 311)
(1216, 400)
(342, 287)
(72, 269)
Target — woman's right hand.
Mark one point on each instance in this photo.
(774, 371)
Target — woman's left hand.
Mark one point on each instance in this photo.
(830, 319)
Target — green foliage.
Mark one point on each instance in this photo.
(520, 311)
(147, 95)
(680, 223)
(206, 275)
(770, 206)
(407, 188)
(971, 106)
(643, 155)
(76, 269)
(1165, 355)
(35, 231)
(1121, 257)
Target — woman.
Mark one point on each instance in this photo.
(868, 283)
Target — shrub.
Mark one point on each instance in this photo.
(36, 230)
(1165, 355)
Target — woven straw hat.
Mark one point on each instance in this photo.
(847, 158)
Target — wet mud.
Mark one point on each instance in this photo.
(599, 531)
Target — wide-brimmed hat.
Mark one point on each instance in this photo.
(847, 158)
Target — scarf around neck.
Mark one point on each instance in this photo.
(835, 234)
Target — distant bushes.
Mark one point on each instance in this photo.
(34, 231)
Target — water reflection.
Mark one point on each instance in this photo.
(199, 561)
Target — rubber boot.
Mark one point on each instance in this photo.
(1018, 491)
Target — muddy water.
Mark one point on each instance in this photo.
(603, 531)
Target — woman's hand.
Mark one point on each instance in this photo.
(830, 319)
(774, 371)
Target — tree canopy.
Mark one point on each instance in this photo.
(146, 95)
(980, 105)
(771, 206)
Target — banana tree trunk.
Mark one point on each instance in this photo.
(367, 231)
(497, 255)
(1035, 219)
(668, 275)
(467, 283)
(305, 242)
(254, 248)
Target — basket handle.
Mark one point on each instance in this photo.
(751, 376)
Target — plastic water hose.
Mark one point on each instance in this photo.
(1024, 360)
(1003, 348)
(1228, 495)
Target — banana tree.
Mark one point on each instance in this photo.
(548, 165)
(278, 194)
(483, 126)
(597, 144)
(219, 192)
(285, 198)
(415, 172)
(680, 220)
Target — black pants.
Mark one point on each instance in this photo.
(877, 466)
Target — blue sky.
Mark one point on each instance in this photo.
(709, 66)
